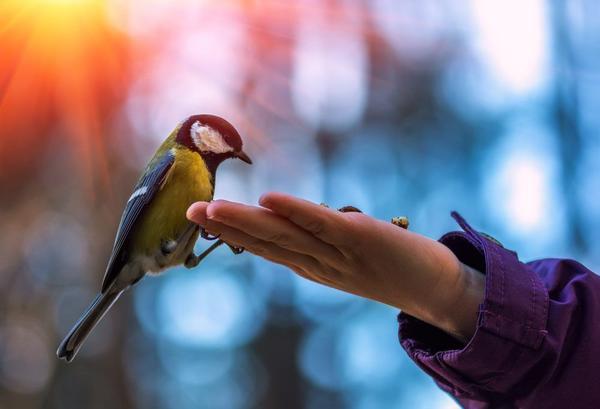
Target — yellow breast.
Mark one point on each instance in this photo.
(188, 181)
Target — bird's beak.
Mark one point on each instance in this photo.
(242, 156)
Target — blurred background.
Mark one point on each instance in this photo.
(412, 107)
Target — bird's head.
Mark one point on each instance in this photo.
(213, 137)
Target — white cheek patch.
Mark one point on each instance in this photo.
(207, 139)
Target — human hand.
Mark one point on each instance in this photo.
(355, 253)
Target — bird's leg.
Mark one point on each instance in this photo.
(207, 236)
(193, 260)
(168, 246)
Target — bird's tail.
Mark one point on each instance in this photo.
(69, 347)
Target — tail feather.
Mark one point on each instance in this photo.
(70, 345)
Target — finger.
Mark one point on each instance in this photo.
(301, 272)
(327, 224)
(268, 226)
(259, 247)
(197, 213)
(302, 264)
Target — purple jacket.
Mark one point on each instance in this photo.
(537, 342)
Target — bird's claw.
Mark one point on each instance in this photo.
(236, 250)
(207, 236)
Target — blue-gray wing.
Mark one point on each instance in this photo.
(143, 193)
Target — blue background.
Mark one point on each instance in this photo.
(409, 108)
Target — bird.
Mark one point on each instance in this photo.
(154, 233)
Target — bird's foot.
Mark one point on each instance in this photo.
(236, 250)
(191, 261)
(168, 246)
(207, 236)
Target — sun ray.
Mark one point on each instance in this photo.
(67, 68)
(61, 73)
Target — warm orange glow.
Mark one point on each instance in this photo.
(65, 69)
(62, 70)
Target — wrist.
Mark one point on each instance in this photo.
(459, 317)
(440, 282)
(454, 293)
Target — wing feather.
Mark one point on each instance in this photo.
(143, 193)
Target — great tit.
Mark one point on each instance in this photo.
(154, 233)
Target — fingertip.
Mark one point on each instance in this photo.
(265, 199)
(197, 213)
(271, 199)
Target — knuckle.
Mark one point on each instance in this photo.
(280, 238)
(257, 248)
(358, 230)
(302, 273)
(354, 221)
(315, 226)
(259, 251)
(330, 273)
(353, 250)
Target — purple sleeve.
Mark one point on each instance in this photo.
(537, 342)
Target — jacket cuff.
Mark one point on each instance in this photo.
(511, 319)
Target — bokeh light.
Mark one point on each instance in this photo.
(207, 310)
(516, 57)
(26, 365)
(398, 107)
